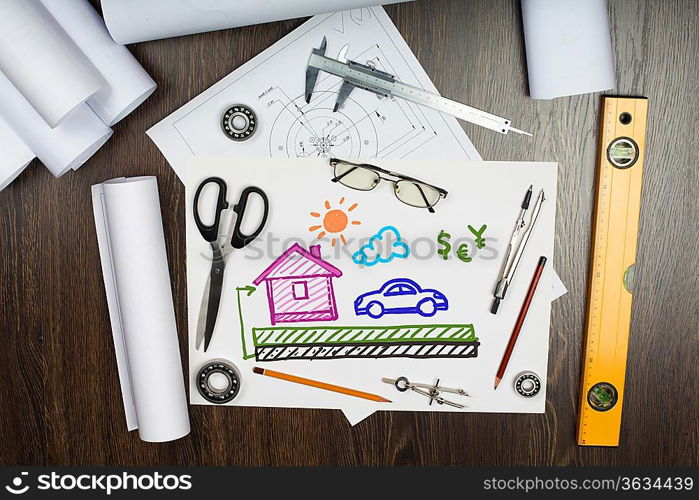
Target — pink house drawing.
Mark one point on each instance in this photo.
(300, 287)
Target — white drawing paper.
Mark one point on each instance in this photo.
(355, 415)
(131, 21)
(62, 148)
(127, 84)
(42, 61)
(16, 155)
(558, 288)
(297, 189)
(273, 85)
(569, 47)
(137, 283)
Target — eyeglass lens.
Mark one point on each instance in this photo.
(356, 177)
(416, 194)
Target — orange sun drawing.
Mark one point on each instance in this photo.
(335, 221)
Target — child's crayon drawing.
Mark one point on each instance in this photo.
(300, 286)
(334, 221)
(371, 253)
(400, 296)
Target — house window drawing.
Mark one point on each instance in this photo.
(300, 287)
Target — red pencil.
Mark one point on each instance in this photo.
(520, 321)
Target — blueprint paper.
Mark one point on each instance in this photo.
(472, 200)
(273, 85)
(569, 47)
(131, 21)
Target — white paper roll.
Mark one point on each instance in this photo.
(42, 61)
(569, 47)
(131, 21)
(62, 148)
(127, 83)
(15, 155)
(137, 282)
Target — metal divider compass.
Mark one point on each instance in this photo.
(431, 391)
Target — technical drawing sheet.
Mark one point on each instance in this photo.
(273, 85)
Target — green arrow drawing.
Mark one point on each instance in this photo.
(249, 291)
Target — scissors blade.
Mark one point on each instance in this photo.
(201, 323)
(211, 298)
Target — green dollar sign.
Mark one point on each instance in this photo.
(462, 253)
(442, 239)
(480, 241)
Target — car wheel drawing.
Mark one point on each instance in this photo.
(400, 296)
(427, 307)
(375, 310)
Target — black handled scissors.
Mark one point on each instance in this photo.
(214, 286)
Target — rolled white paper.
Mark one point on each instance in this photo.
(127, 83)
(42, 61)
(137, 282)
(131, 21)
(62, 148)
(15, 155)
(569, 47)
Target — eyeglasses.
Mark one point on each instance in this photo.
(365, 177)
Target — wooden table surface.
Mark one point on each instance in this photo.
(59, 393)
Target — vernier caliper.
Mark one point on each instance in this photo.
(357, 75)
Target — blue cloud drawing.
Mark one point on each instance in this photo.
(368, 255)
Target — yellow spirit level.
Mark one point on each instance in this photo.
(615, 231)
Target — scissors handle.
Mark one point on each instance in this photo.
(239, 239)
(210, 232)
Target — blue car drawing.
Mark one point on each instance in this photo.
(400, 296)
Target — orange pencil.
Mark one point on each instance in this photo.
(320, 385)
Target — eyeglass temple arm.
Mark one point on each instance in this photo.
(442, 192)
(338, 177)
(422, 193)
(335, 161)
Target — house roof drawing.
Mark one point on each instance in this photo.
(296, 262)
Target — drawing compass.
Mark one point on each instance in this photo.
(431, 391)
(369, 78)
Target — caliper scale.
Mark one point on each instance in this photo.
(366, 77)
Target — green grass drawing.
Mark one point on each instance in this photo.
(249, 290)
(334, 342)
(276, 343)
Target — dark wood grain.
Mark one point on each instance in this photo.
(59, 393)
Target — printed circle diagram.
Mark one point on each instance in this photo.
(314, 131)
